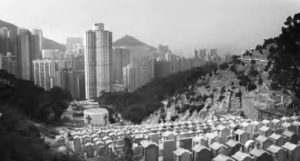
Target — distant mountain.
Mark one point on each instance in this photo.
(137, 48)
(128, 40)
(48, 43)
(51, 44)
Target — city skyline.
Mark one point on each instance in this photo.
(157, 23)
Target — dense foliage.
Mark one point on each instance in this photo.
(145, 100)
(31, 100)
(21, 103)
(19, 138)
(284, 56)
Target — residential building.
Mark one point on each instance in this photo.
(98, 61)
(47, 72)
(37, 40)
(25, 54)
(74, 45)
(5, 43)
(121, 58)
(52, 54)
(8, 62)
(130, 77)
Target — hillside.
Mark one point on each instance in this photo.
(137, 48)
(144, 101)
(27, 116)
(48, 43)
(51, 44)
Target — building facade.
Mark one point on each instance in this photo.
(47, 73)
(74, 45)
(37, 40)
(24, 54)
(52, 54)
(8, 62)
(121, 58)
(130, 77)
(98, 61)
(5, 43)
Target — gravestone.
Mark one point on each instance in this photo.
(297, 127)
(150, 150)
(266, 131)
(240, 156)
(211, 138)
(89, 150)
(186, 143)
(290, 136)
(222, 157)
(182, 155)
(219, 148)
(293, 151)
(234, 146)
(275, 124)
(241, 136)
(138, 151)
(154, 137)
(249, 145)
(77, 144)
(261, 155)
(289, 127)
(277, 139)
(263, 142)
(168, 147)
(201, 153)
(223, 133)
(278, 153)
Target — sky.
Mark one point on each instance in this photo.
(184, 25)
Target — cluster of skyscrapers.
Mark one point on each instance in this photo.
(90, 65)
(63, 69)
(22, 54)
(18, 51)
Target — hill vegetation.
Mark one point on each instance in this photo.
(22, 104)
(284, 58)
(31, 100)
(145, 100)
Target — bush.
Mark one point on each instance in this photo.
(251, 87)
(224, 66)
(173, 118)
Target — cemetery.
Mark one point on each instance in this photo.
(223, 138)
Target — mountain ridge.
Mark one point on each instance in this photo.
(129, 40)
(138, 49)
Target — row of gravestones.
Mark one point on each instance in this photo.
(170, 145)
(169, 128)
(223, 133)
(149, 151)
(232, 151)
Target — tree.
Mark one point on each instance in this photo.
(252, 62)
(19, 138)
(284, 58)
(224, 66)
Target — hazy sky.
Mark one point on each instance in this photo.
(181, 24)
